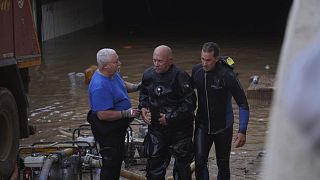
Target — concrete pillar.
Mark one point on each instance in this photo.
(293, 151)
(66, 16)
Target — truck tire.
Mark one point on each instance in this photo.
(9, 133)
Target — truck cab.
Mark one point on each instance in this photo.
(19, 50)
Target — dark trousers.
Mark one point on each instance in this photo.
(111, 147)
(203, 143)
(112, 155)
(161, 146)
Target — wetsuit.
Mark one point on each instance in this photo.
(214, 118)
(169, 93)
(109, 94)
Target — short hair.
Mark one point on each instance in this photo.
(104, 56)
(209, 47)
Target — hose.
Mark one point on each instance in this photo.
(52, 158)
(94, 161)
(47, 166)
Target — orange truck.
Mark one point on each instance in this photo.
(19, 50)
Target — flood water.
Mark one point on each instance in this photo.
(55, 102)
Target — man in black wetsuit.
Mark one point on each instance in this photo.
(167, 102)
(216, 84)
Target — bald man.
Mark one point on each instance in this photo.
(167, 102)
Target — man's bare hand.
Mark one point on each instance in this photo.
(146, 117)
(162, 119)
(240, 140)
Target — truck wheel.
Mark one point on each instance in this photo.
(9, 133)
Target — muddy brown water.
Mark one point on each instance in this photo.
(55, 102)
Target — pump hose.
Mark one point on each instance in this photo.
(52, 158)
(47, 166)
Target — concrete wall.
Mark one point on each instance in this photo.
(66, 16)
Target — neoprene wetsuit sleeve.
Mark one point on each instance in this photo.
(143, 96)
(243, 119)
(238, 94)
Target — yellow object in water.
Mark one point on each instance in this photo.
(89, 72)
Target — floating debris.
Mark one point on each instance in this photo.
(127, 46)
(261, 87)
(66, 114)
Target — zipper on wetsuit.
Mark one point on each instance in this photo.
(205, 88)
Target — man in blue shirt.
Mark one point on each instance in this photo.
(111, 111)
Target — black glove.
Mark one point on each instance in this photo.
(136, 87)
(131, 113)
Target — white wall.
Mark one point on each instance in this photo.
(66, 16)
(293, 151)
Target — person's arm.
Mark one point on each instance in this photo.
(144, 94)
(187, 98)
(243, 124)
(241, 100)
(110, 115)
(131, 87)
(192, 81)
(144, 101)
(102, 102)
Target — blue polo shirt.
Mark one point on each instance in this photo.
(108, 93)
